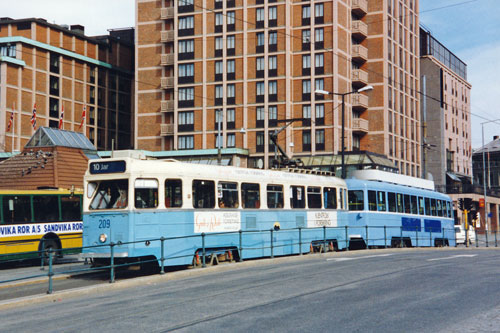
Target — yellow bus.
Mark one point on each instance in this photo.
(39, 220)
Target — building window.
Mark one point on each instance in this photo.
(219, 118)
(186, 73)
(273, 91)
(273, 69)
(219, 68)
(231, 140)
(306, 115)
(260, 42)
(260, 90)
(306, 15)
(273, 116)
(356, 143)
(185, 6)
(260, 64)
(230, 69)
(320, 114)
(318, 38)
(230, 21)
(318, 13)
(186, 26)
(219, 21)
(230, 45)
(306, 90)
(54, 61)
(306, 140)
(186, 121)
(319, 84)
(186, 49)
(54, 85)
(306, 64)
(230, 94)
(230, 118)
(10, 51)
(219, 46)
(319, 64)
(219, 94)
(272, 16)
(218, 4)
(260, 140)
(186, 97)
(259, 14)
(306, 40)
(261, 116)
(273, 41)
(320, 139)
(185, 142)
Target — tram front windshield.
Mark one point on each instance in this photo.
(108, 194)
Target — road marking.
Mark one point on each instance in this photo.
(454, 257)
(362, 257)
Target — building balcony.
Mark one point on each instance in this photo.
(167, 59)
(167, 129)
(359, 29)
(359, 102)
(167, 82)
(167, 36)
(167, 13)
(359, 126)
(359, 53)
(167, 106)
(359, 77)
(360, 7)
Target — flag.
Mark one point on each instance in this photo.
(11, 120)
(61, 118)
(83, 116)
(33, 117)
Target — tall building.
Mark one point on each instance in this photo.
(48, 68)
(255, 64)
(447, 153)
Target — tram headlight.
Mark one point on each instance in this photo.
(103, 238)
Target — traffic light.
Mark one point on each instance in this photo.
(461, 203)
(468, 203)
(473, 215)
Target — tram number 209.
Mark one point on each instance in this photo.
(106, 223)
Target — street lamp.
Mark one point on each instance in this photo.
(488, 222)
(324, 92)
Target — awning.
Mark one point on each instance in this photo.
(453, 176)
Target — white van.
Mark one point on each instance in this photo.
(460, 234)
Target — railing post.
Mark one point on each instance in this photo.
(300, 240)
(496, 244)
(486, 238)
(203, 263)
(455, 235)
(401, 236)
(430, 237)
(346, 238)
(112, 262)
(324, 239)
(442, 236)
(366, 234)
(42, 254)
(477, 239)
(241, 246)
(162, 240)
(416, 236)
(385, 236)
(51, 273)
(272, 249)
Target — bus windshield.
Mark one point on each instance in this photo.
(110, 194)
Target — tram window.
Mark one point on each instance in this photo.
(399, 202)
(330, 197)
(427, 206)
(391, 198)
(297, 197)
(314, 197)
(71, 208)
(372, 200)
(146, 194)
(344, 199)
(250, 195)
(414, 205)
(381, 205)
(203, 194)
(433, 207)
(46, 208)
(16, 209)
(448, 208)
(173, 193)
(439, 208)
(274, 196)
(341, 194)
(443, 207)
(407, 204)
(108, 193)
(356, 201)
(421, 205)
(228, 195)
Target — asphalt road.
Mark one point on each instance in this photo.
(408, 290)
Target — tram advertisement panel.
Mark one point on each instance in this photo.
(216, 221)
(321, 219)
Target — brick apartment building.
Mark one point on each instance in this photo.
(56, 66)
(258, 62)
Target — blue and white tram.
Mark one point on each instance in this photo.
(179, 200)
(387, 209)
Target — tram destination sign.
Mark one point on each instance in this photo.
(107, 167)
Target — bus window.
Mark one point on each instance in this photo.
(228, 195)
(407, 204)
(414, 205)
(108, 193)
(250, 195)
(330, 197)
(274, 196)
(314, 197)
(203, 194)
(46, 208)
(427, 206)
(71, 208)
(356, 201)
(433, 207)
(145, 196)
(297, 197)
(372, 200)
(399, 202)
(391, 198)
(421, 206)
(16, 209)
(381, 205)
(173, 193)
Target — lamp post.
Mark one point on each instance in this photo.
(218, 113)
(324, 92)
(487, 224)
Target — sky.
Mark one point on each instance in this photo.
(468, 28)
